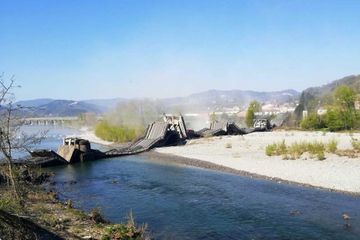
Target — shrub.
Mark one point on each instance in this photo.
(128, 231)
(331, 146)
(333, 120)
(119, 134)
(270, 150)
(312, 121)
(96, 216)
(320, 156)
(276, 149)
(316, 148)
(281, 149)
(355, 144)
(296, 150)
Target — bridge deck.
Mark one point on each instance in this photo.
(155, 133)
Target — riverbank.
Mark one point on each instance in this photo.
(43, 216)
(245, 155)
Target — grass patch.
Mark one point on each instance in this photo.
(296, 150)
(331, 146)
(7, 202)
(126, 231)
(276, 149)
(355, 143)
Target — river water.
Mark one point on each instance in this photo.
(183, 202)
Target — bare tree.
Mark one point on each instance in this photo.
(12, 139)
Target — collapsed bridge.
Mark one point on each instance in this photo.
(169, 131)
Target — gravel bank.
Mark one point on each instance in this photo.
(246, 155)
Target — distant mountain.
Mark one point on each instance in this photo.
(56, 108)
(35, 102)
(243, 97)
(67, 108)
(101, 104)
(211, 100)
(216, 99)
(315, 97)
(105, 104)
(352, 81)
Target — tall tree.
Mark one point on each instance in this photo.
(254, 107)
(344, 98)
(11, 137)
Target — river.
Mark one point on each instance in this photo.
(184, 202)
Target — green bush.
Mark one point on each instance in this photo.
(118, 134)
(254, 107)
(312, 121)
(128, 231)
(331, 146)
(333, 120)
(320, 156)
(296, 150)
(270, 150)
(315, 147)
(276, 149)
(341, 113)
(355, 144)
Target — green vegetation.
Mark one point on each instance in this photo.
(127, 121)
(355, 144)
(46, 213)
(312, 121)
(128, 231)
(119, 134)
(333, 120)
(254, 107)
(331, 146)
(21, 193)
(276, 149)
(340, 115)
(315, 149)
(297, 149)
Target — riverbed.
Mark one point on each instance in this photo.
(179, 201)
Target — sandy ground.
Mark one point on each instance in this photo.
(247, 153)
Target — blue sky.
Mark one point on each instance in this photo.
(130, 48)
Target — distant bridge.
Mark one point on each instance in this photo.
(49, 120)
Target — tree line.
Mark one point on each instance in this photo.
(340, 115)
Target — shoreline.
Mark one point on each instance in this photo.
(220, 168)
(245, 155)
(215, 164)
(45, 216)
